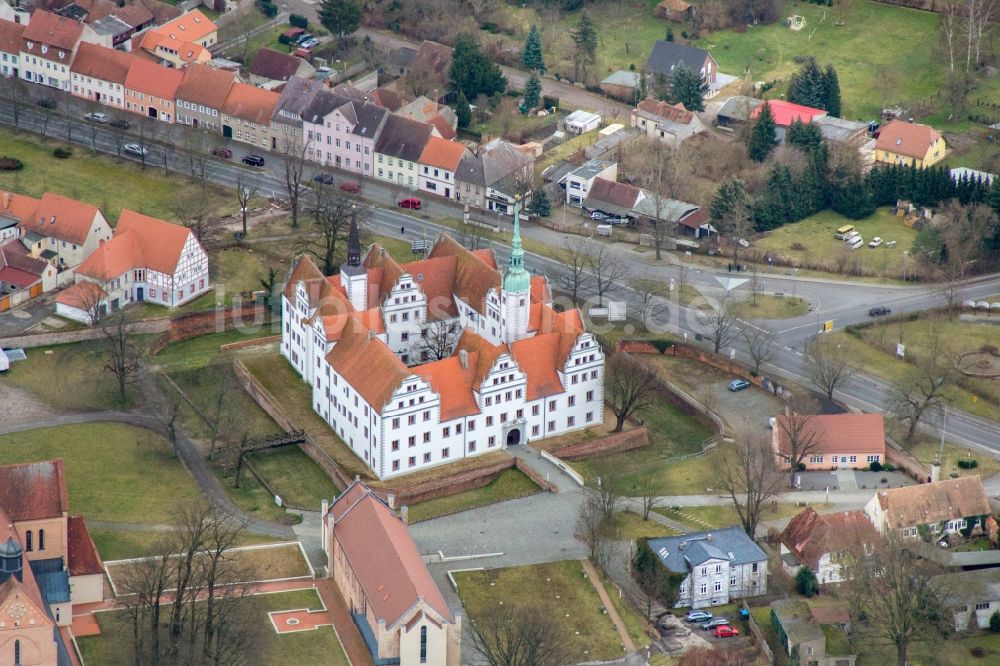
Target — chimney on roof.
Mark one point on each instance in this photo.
(463, 358)
(709, 537)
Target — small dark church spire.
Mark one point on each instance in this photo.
(354, 242)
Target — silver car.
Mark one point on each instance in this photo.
(134, 149)
(715, 622)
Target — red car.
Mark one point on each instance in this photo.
(412, 204)
(350, 186)
(725, 631)
(224, 153)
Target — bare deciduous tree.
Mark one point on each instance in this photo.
(760, 345)
(662, 174)
(511, 635)
(799, 432)
(596, 530)
(223, 415)
(720, 322)
(574, 276)
(921, 389)
(245, 191)
(122, 355)
(631, 387)
(606, 270)
(649, 491)
(198, 212)
(652, 298)
(293, 157)
(331, 215)
(437, 340)
(16, 92)
(750, 478)
(828, 366)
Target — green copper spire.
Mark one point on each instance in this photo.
(516, 279)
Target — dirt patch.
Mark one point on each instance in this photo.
(19, 405)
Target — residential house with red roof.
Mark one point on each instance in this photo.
(48, 563)
(834, 441)
(99, 74)
(246, 115)
(823, 543)
(395, 603)
(939, 508)
(22, 277)
(181, 41)
(270, 69)
(670, 123)
(341, 128)
(435, 360)
(151, 90)
(439, 162)
(147, 260)
(64, 232)
(202, 94)
(785, 113)
(904, 143)
(48, 45)
(11, 39)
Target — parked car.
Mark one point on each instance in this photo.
(350, 186)
(46, 103)
(698, 616)
(598, 215)
(738, 385)
(134, 149)
(302, 52)
(715, 622)
(97, 117)
(875, 242)
(323, 179)
(120, 124)
(300, 37)
(254, 160)
(412, 203)
(310, 43)
(879, 311)
(224, 153)
(726, 631)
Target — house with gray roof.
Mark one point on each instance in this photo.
(666, 57)
(296, 96)
(972, 596)
(719, 566)
(398, 150)
(579, 181)
(807, 640)
(736, 111)
(492, 176)
(622, 84)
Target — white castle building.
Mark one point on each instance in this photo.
(432, 361)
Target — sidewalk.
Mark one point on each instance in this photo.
(598, 584)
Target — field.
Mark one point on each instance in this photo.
(708, 517)
(272, 563)
(295, 649)
(559, 590)
(810, 244)
(630, 526)
(114, 472)
(510, 484)
(100, 180)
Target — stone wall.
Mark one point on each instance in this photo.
(29, 340)
(614, 443)
(460, 482)
(194, 324)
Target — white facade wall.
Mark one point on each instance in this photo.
(437, 180)
(716, 582)
(105, 92)
(389, 169)
(10, 63)
(39, 69)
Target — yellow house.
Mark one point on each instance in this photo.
(182, 41)
(909, 143)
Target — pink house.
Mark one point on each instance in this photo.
(341, 131)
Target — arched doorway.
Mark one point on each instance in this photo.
(514, 437)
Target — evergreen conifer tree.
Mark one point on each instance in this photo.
(540, 204)
(532, 92)
(463, 112)
(808, 85)
(472, 71)
(685, 87)
(585, 38)
(831, 90)
(762, 140)
(531, 55)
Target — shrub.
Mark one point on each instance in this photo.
(968, 463)
(268, 9)
(805, 582)
(888, 467)
(798, 247)
(62, 153)
(284, 39)
(298, 21)
(995, 622)
(550, 102)
(661, 345)
(876, 466)
(10, 164)
(978, 652)
(988, 349)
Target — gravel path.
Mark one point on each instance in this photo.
(19, 405)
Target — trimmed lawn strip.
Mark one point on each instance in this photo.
(68, 377)
(630, 526)
(100, 180)
(199, 351)
(721, 516)
(114, 472)
(263, 563)
(510, 484)
(124, 544)
(296, 649)
(926, 450)
(254, 498)
(635, 623)
(561, 590)
(770, 306)
(294, 476)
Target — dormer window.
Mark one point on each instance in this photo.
(62, 54)
(31, 45)
(45, 49)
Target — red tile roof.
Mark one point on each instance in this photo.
(474, 277)
(82, 295)
(367, 364)
(910, 139)
(612, 192)
(786, 112)
(371, 319)
(203, 84)
(442, 154)
(303, 269)
(189, 27)
(83, 558)
(62, 218)
(383, 557)
(32, 491)
(153, 79)
(480, 350)
(11, 35)
(250, 103)
(18, 206)
(52, 30)
(274, 65)
(838, 433)
(383, 273)
(810, 535)
(435, 277)
(675, 113)
(15, 257)
(101, 63)
(540, 292)
(934, 502)
(139, 241)
(453, 383)
(486, 256)
(537, 357)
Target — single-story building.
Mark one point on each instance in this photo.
(579, 122)
(839, 441)
(940, 508)
(736, 110)
(622, 84)
(674, 10)
(800, 634)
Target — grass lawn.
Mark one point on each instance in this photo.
(295, 477)
(123, 544)
(114, 472)
(306, 647)
(560, 590)
(955, 651)
(68, 377)
(927, 448)
(254, 498)
(630, 526)
(769, 306)
(564, 150)
(816, 248)
(671, 433)
(762, 616)
(634, 620)
(100, 180)
(202, 350)
(707, 517)
(892, 369)
(510, 484)
(521, 123)
(279, 561)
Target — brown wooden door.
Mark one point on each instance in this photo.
(4, 303)
(35, 290)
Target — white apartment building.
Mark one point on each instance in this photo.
(579, 181)
(509, 368)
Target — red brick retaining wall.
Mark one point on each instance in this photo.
(460, 482)
(194, 324)
(613, 443)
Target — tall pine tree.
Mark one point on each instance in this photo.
(585, 38)
(685, 87)
(831, 90)
(762, 140)
(532, 92)
(531, 55)
(854, 200)
(472, 71)
(340, 17)
(463, 112)
(808, 85)
(993, 198)
(803, 136)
